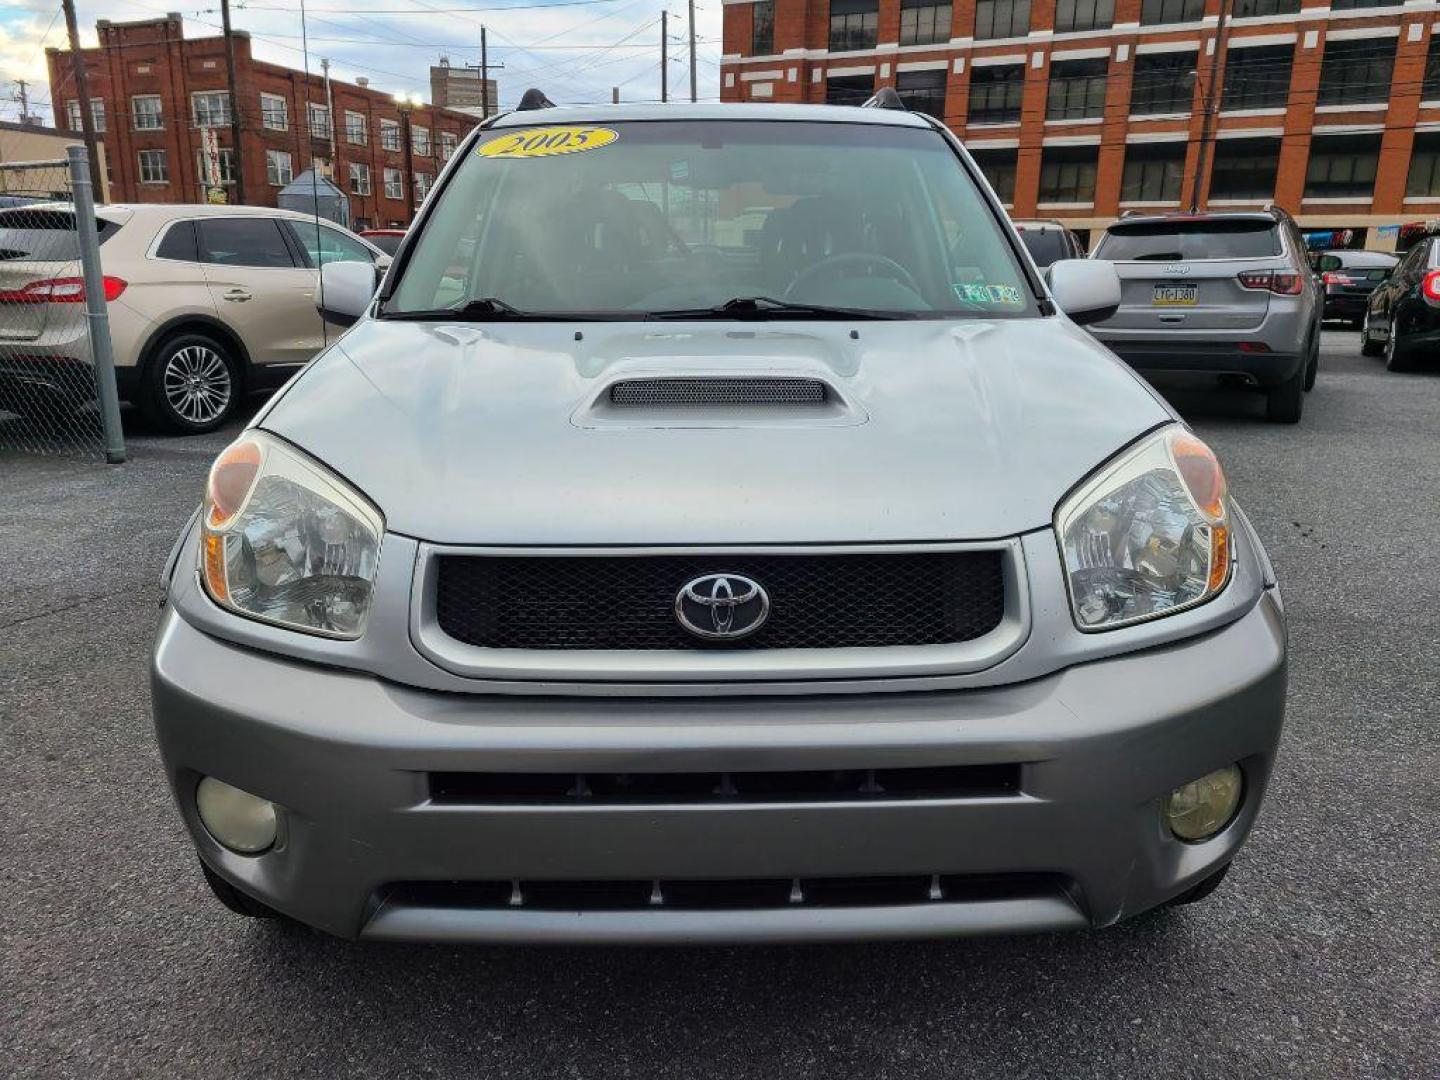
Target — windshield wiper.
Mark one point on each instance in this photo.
(485, 309)
(763, 307)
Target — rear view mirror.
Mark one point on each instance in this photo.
(346, 289)
(1087, 290)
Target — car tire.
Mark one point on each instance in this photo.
(1397, 356)
(1285, 403)
(1368, 347)
(1199, 891)
(191, 384)
(1312, 365)
(238, 902)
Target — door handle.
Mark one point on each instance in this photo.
(239, 296)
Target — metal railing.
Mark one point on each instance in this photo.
(57, 370)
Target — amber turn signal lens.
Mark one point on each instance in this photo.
(230, 479)
(1201, 472)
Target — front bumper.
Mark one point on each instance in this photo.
(367, 850)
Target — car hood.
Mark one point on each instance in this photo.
(505, 433)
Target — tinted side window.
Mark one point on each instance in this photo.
(330, 245)
(243, 242)
(1045, 247)
(179, 243)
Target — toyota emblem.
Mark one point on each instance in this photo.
(722, 607)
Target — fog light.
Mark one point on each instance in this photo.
(240, 821)
(1200, 809)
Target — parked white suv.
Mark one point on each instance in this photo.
(205, 303)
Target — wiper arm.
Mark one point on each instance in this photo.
(762, 307)
(484, 309)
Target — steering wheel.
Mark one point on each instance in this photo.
(889, 268)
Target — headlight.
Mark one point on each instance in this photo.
(286, 541)
(1148, 535)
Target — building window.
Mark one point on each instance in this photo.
(355, 130)
(153, 169)
(394, 184)
(97, 114)
(422, 187)
(318, 119)
(390, 134)
(226, 166)
(1257, 78)
(1342, 166)
(1247, 9)
(1077, 89)
(849, 89)
(762, 28)
(1356, 5)
(1153, 172)
(1074, 15)
(420, 140)
(278, 169)
(1430, 88)
(359, 178)
(1164, 83)
(853, 24)
(999, 168)
(1001, 19)
(274, 112)
(923, 91)
(1245, 169)
(924, 22)
(1155, 12)
(995, 93)
(1067, 174)
(1424, 178)
(210, 108)
(448, 142)
(1357, 71)
(146, 110)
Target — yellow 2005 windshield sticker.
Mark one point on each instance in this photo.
(547, 142)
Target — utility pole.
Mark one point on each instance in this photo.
(484, 76)
(235, 158)
(1208, 120)
(692, 52)
(23, 96)
(664, 55)
(82, 89)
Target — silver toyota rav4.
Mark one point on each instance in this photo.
(713, 529)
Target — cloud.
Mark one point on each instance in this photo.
(575, 52)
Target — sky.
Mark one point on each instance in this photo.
(574, 50)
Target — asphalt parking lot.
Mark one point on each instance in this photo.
(1319, 956)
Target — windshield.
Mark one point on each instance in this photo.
(636, 219)
(1173, 240)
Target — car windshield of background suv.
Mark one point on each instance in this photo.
(664, 217)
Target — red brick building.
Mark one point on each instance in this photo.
(1081, 109)
(153, 92)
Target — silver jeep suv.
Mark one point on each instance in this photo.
(714, 530)
(1228, 295)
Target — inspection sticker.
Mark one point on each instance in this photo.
(974, 293)
(547, 142)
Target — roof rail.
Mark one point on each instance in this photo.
(534, 99)
(886, 98)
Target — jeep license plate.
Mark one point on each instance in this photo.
(1175, 295)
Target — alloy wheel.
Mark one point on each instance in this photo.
(197, 384)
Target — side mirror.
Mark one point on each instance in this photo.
(1087, 290)
(346, 289)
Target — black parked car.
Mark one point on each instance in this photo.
(1402, 317)
(1348, 278)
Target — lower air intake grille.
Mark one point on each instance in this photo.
(663, 393)
(628, 602)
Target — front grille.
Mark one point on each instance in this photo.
(662, 393)
(627, 602)
(801, 785)
(723, 894)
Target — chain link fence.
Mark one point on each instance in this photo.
(57, 379)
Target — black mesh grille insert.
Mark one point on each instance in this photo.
(717, 391)
(627, 602)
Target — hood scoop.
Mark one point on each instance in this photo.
(690, 392)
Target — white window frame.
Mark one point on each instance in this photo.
(273, 174)
(387, 128)
(420, 140)
(359, 171)
(196, 96)
(158, 115)
(154, 156)
(394, 184)
(356, 121)
(226, 154)
(97, 115)
(270, 104)
(421, 187)
(324, 128)
(449, 141)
